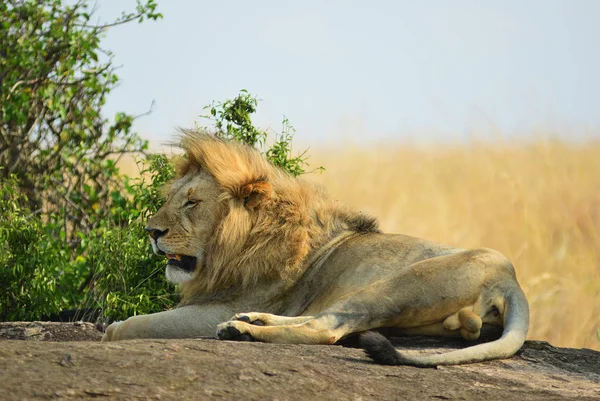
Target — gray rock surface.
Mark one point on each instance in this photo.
(198, 369)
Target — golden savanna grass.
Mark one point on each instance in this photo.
(539, 204)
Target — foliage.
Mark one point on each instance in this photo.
(232, 120)
(64, 197)
(111, 269)
(54, 79)
(30, 275)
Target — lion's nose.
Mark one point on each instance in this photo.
(155, 233)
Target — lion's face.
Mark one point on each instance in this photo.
(181, 228)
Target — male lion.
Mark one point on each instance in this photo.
(241, 235)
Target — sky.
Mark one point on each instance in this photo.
(356, 71)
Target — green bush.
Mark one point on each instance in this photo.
(111, 269)
(63, 195)
(54, 79)
(34, 276)
(232, 119)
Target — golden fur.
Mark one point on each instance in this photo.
(242, 235)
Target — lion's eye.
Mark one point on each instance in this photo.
(191, 202)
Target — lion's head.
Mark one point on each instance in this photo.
(232, 220)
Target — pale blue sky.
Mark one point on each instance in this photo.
(346, 70)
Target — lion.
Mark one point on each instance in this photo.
(261, 255)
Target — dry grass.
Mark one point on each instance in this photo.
(539, 204)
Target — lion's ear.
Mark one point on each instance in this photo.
(255, 193)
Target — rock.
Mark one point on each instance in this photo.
(49, 331)
(211, 369)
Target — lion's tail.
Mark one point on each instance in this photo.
(516, 325)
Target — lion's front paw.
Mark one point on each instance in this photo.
(112, 332)
(234, 331)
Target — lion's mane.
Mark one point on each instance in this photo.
(272, 241)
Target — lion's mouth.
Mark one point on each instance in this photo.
(184, 262)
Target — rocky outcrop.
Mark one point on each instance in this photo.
(209, 369)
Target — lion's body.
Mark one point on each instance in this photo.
(315, 272)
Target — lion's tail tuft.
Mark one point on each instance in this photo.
(380, 349)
